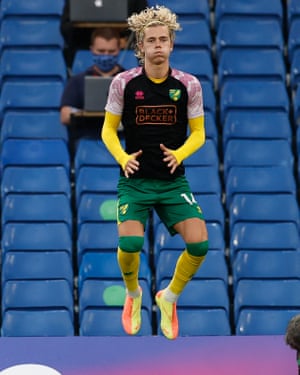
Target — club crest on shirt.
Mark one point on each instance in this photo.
(175, 94)
(123, 209)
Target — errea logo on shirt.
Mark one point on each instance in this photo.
(156, 115)
(139, 95)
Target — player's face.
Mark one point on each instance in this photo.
(157, 44)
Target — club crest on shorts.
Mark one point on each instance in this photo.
(175, 94)
(123, 209)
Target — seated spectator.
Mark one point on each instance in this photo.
(105, 47)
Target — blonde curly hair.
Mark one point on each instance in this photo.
(153, 16)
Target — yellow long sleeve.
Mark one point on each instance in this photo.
(111, 140)
(194, 141)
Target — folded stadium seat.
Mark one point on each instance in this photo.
(92, 152)
(46, 237)
(96, 180)
(22, 8)
(196, 61)
(32, 180)
(249, 63)
(100, 236)
(37, 308)
(34, 63)
(208, 93)
(258, 9)
(292, 12)
(255, 94)
(203, 322)
(296, 107)
(163, 241)
(104, 295)
(263, 236)
(248, 32)
(98, 322)
(33, 31)
(293, 42)
(214, 266)
(200, 296)
(194, 34)
(33, 124)
(37, 265)
(211, 130)
(26, 323)
(43, 94)
(253, 322)
(264, 208)
(264, 180)
(204, 179)
(103, 265)
(207, 155)
(266, 295)
(295, 70)
(38, 208)
(266, 264)
(35, 153)
(256, 125)
(257, 153)
(192, 9)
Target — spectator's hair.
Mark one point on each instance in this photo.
(292, 336)
(148, 17)
(107, 33)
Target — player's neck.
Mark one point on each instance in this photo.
(157, 71)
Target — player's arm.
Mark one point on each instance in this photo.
(194, 141)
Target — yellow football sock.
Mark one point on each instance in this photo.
(186, 266)
(129, 263)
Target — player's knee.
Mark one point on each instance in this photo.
(131, 244)
(198, 249)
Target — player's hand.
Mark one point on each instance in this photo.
(133, 164)
(169, 158)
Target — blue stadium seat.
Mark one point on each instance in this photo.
(212, 207)
(92, 152)
(32, 180)
(208, 93)
(266, 264)
(296, 107)
(32, 323)
(263, 236)
(204, 179)
(295, 70)
(207, 155)
(187, 10)
(214, 266)
(36, 237)
(292, 12)
(194, 34)
(249, 33)
(211, 130)
(203, 322)
(257, 153)
(37, 265)
(35, 153)
(96, 180)
(24, 8)
(256, 125)
(127, 59)
(104, 294)
(32, 125)
(293, 42)
(37, 294)
(243, 63)
(255, 94)
(43, 32)
(18, 64)
(258, 9)
(266, 294)
(196, 61)
(103, 265)
(253, 322)
(40, 208)
(266, 180)
(263, 208)
(43, 94)
(107, 322)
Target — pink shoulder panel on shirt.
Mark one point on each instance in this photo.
(115, 96)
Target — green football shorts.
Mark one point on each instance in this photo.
(172, 200)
